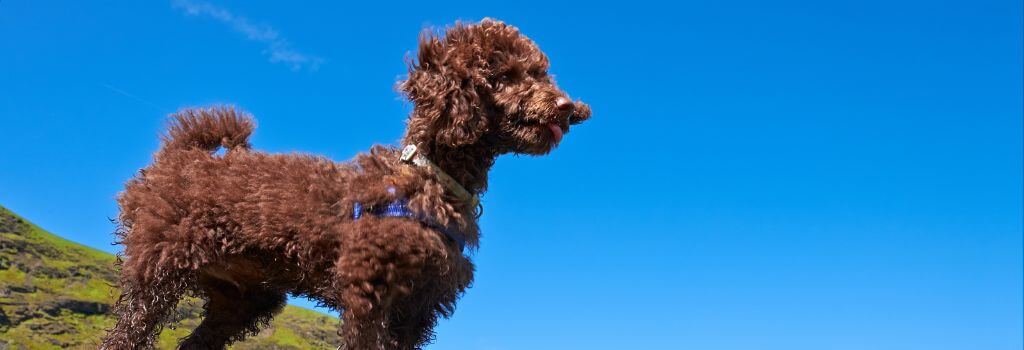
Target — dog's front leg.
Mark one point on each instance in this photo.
(364, 320)
(394, 278)
(378, 263)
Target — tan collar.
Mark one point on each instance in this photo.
(411, 155)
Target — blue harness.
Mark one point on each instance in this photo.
(400, 209)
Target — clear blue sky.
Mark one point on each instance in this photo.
(795, 175)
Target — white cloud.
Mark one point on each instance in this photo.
(278, 50)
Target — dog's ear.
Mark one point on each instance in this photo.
(444, 85)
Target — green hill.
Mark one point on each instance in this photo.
(56, 294)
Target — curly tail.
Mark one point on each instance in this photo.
(208, 129)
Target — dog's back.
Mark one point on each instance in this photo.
(193, 205)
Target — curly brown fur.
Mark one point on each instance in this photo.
(244, 228)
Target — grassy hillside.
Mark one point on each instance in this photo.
(56, 294)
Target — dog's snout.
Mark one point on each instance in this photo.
(565, 105)
(580, 114)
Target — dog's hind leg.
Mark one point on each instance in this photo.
(142, 308)
(232, 312)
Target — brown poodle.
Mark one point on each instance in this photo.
(379, 238)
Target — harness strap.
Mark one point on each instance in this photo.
(400, 209)
(412, 155)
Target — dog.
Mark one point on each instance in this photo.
(380, 238)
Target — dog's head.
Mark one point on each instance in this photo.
(487, 84)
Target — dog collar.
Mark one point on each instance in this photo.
(411, 155)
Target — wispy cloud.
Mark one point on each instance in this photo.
(278, 50)
(131, 96)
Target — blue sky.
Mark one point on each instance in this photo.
(793, 175)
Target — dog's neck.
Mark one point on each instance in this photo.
(468, 165)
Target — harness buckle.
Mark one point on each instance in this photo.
(408, 153)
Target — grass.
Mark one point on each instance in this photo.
(40, 270)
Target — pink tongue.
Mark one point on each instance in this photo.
(556, 131)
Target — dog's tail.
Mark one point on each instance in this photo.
(208, 129)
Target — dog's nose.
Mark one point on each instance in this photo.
(563, 104)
